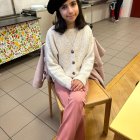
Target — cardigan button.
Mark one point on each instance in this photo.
(73, 73)
(72, 51)
(73, 62)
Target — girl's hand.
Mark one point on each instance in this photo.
(77, 85)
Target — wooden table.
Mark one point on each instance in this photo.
(126, 125)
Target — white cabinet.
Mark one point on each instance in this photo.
(96, 13)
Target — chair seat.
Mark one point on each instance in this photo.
(96, 94)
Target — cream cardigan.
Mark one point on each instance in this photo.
(97, 73)
(66, 61)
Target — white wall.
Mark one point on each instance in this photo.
(126, 8)
(5, 8)
(99, 12)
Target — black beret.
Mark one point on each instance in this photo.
(54, 5)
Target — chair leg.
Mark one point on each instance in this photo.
(107, 116)
(50, 98)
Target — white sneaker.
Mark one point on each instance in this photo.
(116, 21)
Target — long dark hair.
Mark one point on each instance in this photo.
(60, 24)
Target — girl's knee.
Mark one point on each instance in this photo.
(77, 100)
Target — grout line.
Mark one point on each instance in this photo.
(36, 116)
(4, 132)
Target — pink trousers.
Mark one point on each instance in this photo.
(72, 126)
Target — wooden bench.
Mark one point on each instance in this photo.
(126, 124)
(97, 95)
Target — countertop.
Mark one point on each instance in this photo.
(16, 20)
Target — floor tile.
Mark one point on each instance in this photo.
(53, 122)
(125, 56)
(100, 37)
(106, 58)
(111, 52)
(118, 35)
(128, 37)
(109, 32)
(27, 75)
(11, 83)
(15, 120)
(2, 92)
(111, 69)
(18, 68)
(131, 50)
(5, 75)
(36, 130)
(107, 41)
(137, 40)
(3, 136)
(23, 92)
(38, 103)
(122, 43)
(6, 104)
(32, 62)
(119, 45)
(118, 62)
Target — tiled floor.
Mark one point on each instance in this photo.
(24, 113)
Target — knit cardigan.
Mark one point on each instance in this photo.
(67, 61)
(97, 73)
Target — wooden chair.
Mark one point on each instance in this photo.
(97, 95)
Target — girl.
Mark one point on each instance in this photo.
(70, 58)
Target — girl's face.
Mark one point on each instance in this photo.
(69, 12)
